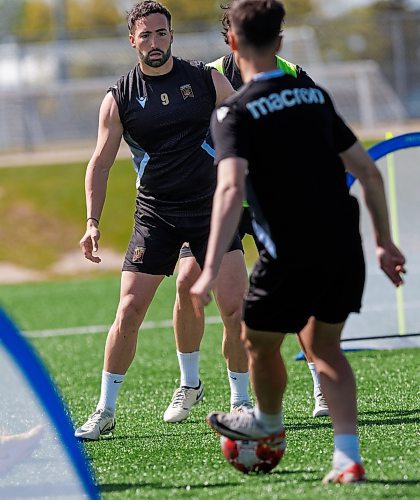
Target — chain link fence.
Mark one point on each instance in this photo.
(50, 92)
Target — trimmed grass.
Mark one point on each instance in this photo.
(43, 212)
(151, 459)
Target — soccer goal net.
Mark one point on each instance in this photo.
(360, 92)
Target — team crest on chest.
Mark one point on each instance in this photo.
(186, 91)
(138, 254)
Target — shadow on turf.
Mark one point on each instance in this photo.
(394, 482)
(108, 488)
(384, 417)
(388, 417)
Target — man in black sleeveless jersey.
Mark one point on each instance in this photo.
(313, 264)
(162, 108)
(189, 331)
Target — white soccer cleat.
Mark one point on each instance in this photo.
(18, 447)
(241, 407)
(183, 400)
(100, 423)
(321, 407)
(242, 426)
(355, 473)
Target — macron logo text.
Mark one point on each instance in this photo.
(285, 99)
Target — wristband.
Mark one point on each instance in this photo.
(92, 218)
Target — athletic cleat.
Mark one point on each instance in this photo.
(355, 473)
(100, 423)
(243, 426)
(183, 400)
(321, 407)
(241, 407)
(18, 447)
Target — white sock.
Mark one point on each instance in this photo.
(346, 451)
(315, 378)
(239, 383)
(188, 366)
(270, 423)
(110, 386)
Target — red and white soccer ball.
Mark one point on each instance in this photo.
(252, 456)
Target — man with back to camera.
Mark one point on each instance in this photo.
(162, 108)
(293, 281)
(189, 329)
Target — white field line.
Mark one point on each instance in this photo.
(86, 330)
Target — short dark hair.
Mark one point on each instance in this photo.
(144, 9)
(256, 22)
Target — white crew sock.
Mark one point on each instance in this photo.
(315, 378)
(188, 366)
(239, 383)
(346, 451)
(270, 423)
(110, 386)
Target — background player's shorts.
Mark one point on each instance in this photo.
(187, 252)
(245, 224)
(156, 242)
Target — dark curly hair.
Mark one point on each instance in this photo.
(144, 9)
(225, 22)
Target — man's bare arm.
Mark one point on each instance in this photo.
(359, 163)
(109, 138)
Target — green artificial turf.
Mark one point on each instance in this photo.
(151, 459)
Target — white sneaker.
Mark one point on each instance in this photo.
(243, 426)
(241, 407)
(100, 423)
(183, 400)
(18, 447)
(321, 407)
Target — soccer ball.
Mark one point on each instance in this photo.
(252, 456)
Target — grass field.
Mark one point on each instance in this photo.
(42, 211)
(150, 459)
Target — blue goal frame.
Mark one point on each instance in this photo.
(37, 377)
(404, 141)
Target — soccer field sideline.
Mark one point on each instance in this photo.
(84, 330)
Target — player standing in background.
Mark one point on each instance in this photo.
(15, 448)
(188, 328)
(300, 198)
(162, 108)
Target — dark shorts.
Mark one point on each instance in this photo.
(187, 252)
(284, 295)
(156, 242)
(324, 278)
(245, 227)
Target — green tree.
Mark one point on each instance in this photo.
(35, 21)
(362, 33)
(298, 7)
(93, 16)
